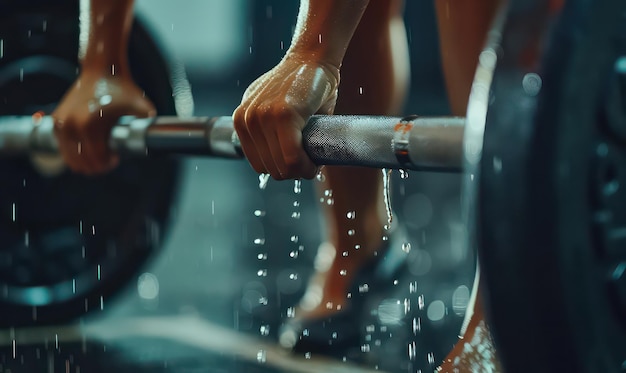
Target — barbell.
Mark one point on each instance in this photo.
(542, 155)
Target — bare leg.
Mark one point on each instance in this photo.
(463, 26)
(374, 80)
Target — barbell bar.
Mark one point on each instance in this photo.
(412, 143)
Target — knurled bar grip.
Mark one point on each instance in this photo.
(412, 143)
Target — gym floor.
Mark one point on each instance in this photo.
(213, 298)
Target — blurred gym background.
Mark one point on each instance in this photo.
(229, 256)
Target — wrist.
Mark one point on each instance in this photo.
(330, 67)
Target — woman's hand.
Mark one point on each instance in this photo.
(275, 109)
(85, 116)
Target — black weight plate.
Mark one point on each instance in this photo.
(550, 191)
(68, 242)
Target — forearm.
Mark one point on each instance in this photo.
(325, 27)
(110, 22)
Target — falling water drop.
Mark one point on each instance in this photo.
(297, 186)
(431, 358)
(259, 213)
(420, 302)
(412, 351)
(263, 180)
(351, 215)
(261, 356)
(387, 196)
(404, 174)
(264, 330)
(320, 176)
(406, 247)
(417, 325)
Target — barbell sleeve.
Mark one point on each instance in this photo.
(412, 143)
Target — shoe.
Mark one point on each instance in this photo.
(339, 334)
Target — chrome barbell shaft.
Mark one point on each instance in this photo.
(417, 143)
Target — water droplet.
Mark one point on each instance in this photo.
(351, 232)
(417, 325)
(320, 176)
(413, 287)
(364, 288)
(343, 272)
(345, 253)
(291, 312)
(259, 241)
(351, 215)
(263, 301)
(297, 186)
(307, 355)
(262, 273)
(295, 215)
(262, 256)
(296, 203)
(294, 239)
(261, 356)
(406, 247)
(293, 254)
(105, 100)
(264, 330)
(328, 192)
(357, 246)
(431, 358)
(407, 305)
(263, 180)
(293, 276)
(365, 348)
(404, 174)
(412, 351)
(148, 286)
(420, 302)
(259, 213)
(329, 305)
(387, 196)
(330, 201)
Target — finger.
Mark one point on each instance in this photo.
(247, 144)
(256, 119)
(97, 153)
(69, 146)
(296, 159)
(277, 118)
